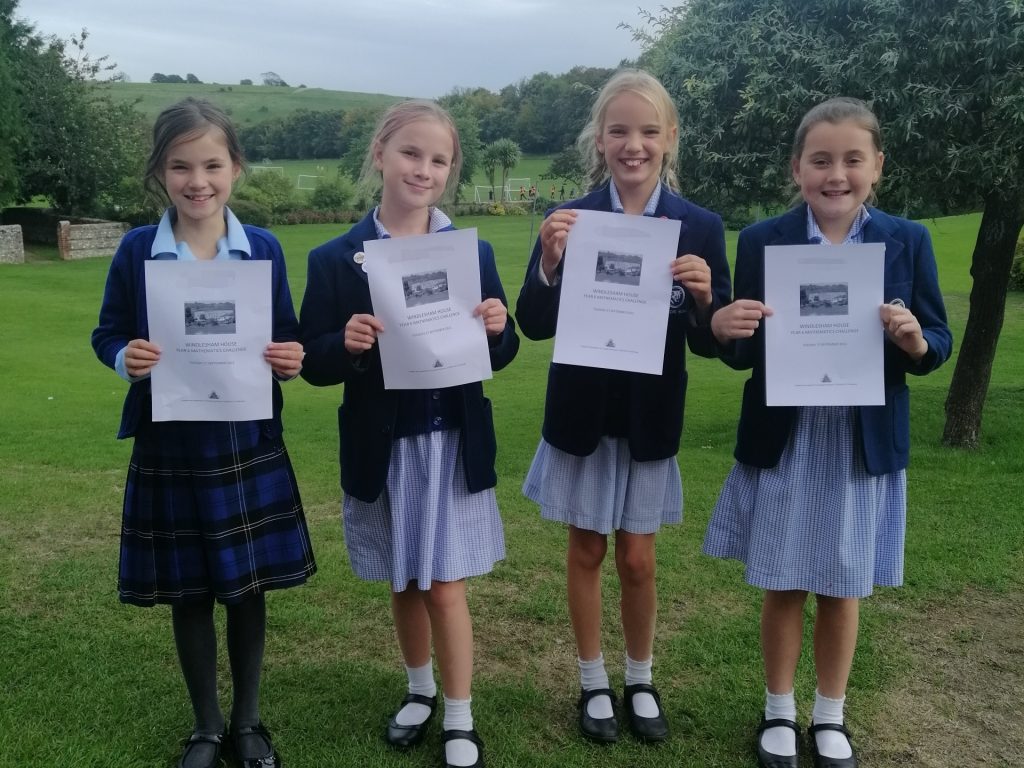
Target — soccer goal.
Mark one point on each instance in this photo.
(307, 181)
(517, 189)
(279, 169)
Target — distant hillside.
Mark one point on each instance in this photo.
(246, 103)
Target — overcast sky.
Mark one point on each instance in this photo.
(401, 47)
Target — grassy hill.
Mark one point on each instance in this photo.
(245, 103)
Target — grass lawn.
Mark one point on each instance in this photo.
(245, 103)
(87, 681)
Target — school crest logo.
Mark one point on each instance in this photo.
(675, 303)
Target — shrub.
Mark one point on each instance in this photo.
(334, 195)
(271, 190)
(496, 209)
(251, 212)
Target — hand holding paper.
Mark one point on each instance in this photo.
(494, 315)
(140, 356)
(284, 357)
(361, 333)
(554, 232)
(695, 275)
(738, 320)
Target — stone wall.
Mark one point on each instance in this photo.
(82, 241)
(12, 248)
(75, 238)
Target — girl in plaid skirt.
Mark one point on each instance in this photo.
(211, 509)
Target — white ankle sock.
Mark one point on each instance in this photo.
(640, 672)
(830, 743)
(458, 716)
(592, 677)
(421, 681)
(779, 740)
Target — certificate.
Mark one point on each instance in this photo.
(616, 289)
(424, 290)
(212, 321)
(824, 342)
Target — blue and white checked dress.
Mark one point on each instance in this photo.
(606, 491)
(817, 521)
(425, 526)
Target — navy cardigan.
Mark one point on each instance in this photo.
(910, 275)
(336, 289)
(579, 398)
(123, 316)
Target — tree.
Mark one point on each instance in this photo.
(943, 76)
(508, 155)
(469, 139)
(567, 165)
(78, 144)
(272, 78)
(190, 78)
(12, 127)
(489, 161)
(245, 81)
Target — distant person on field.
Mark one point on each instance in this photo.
(211, 509)
(816, 502)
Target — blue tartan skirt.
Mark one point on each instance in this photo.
(211, 509)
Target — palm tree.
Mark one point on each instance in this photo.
(508, 156)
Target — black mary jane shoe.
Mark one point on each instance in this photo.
(649, 730)
(604, 730)
(766, 759)
(820, 761)
(268, 760)
(472, 736)
(216, 739)
(405, 736)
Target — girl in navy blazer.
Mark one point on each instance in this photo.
(607, 460)
(817, 500)
(417, 466)
(211, 509)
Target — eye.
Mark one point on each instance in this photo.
(408, 153)
(652, 132)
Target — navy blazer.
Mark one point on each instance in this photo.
(910, 275)
(123, 316)
(336, 289)
(580, 398)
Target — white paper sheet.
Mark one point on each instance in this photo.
(616, 288)
(424, 290)
(212, 321)
(824, 342)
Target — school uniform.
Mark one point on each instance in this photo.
(817, 500)
(607, 458)
(417, 466)
(211, 509)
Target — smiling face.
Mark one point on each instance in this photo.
(633, 140)
(414, 164)
(836, 172)
(198, 174)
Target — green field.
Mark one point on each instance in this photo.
(246, 103)
(87, 681)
